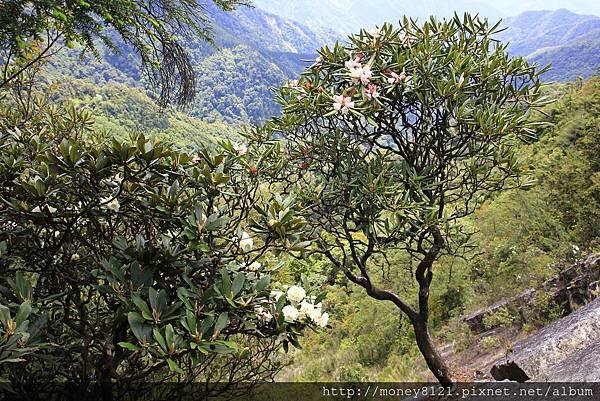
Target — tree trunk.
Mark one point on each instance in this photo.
(434, 361)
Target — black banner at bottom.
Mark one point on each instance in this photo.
(326, 391)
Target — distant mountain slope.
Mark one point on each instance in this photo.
(255, 52)
(569, 42)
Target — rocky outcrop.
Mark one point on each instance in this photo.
(566, 350)
(572, 288)
(475, 320)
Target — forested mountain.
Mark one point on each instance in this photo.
(568, 41)
(254, 51)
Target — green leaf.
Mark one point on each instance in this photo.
(142, 306)
(160, 340)
(23, 312)
(226, 281)
(174, 367)
(263, 283)
(238, 283)
(4, 314)
(222, 322)
(129, 346)
(206, 324)
(138, 325)
(169, 334)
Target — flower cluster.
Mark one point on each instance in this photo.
(302, 308)
(264, 316)
(357, 71)
(244, 241)
(343, 103)
(240, 148)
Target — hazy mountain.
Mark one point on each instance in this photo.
(350, 15)
(568, 41)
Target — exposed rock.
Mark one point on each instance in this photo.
(572, 288)
(581, 366)
(565, 350)
(475, 319)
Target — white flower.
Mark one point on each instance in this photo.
(318, 62)
(323, 320)
(112, 204)
(375, 32)
(276, 294)
(371, 92)
(246, 242)
(396, 78)
(75, 257)
(343, 103)
(306, 309)
(290, 313)
(240, 148)
(362, 74)
(296, 293)
(292, 83)
(353, 64)
(263, 315)
(254, 266)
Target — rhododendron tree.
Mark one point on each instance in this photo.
(147, 261)
(394, 137)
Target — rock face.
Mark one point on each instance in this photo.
(572, 288)
(475, 319)
(566, 350)
(582, 365)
